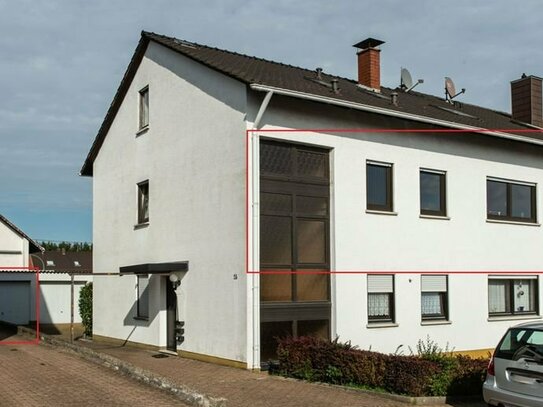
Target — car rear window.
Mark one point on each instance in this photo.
(517, 339)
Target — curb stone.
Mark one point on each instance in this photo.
(182, 392)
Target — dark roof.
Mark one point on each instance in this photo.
(33, 247)
(63, 262)
(252, 70)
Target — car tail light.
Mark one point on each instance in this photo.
(490, 369)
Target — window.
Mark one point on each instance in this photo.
(512, 296)
(143, 202)
(379, 186)
(50, 263)
(144, 108)
(380, 298)
(510, 201)
(434, 297)
(432, 193)
(77, 264)
(143, 296)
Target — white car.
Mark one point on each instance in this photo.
(515, 372)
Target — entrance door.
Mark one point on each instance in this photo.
(171, 315)
(294, 243)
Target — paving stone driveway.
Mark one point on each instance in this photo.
(39, 375)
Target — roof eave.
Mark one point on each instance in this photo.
(393, 113)
(87, 168)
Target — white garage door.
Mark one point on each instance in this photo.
(15, 302)
(55, 302)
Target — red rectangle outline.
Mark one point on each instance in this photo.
(249, 132)
(36, 340)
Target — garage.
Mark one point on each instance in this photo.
(15, 302)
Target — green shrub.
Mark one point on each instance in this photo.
(85, 307)
(431, 373)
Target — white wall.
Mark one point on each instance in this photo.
(13, 248)
(193, 156)
(406, 242)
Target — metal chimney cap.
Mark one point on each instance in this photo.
(368, 43)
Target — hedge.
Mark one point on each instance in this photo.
(85, 307)
(439, 374)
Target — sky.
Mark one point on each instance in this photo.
(62, 61)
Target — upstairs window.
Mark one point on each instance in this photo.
(432, 193)
(144, 108)
(143, 202)
(379, 186)
(514, 201)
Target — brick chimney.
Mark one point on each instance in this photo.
(526, 100)
(369, 63)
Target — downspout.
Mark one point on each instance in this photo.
(255, 228)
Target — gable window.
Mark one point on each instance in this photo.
(143, 202)
(434, 297)
(144, 108)
(380, 298)
(512, 296)
(432, 193)
(143, 296)
(514, 201)
(378, 186)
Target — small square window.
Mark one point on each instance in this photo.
(380, 298)
(379, 186)
(144, 108)
(434, 297)
(77, 264)
(143, 202)
(432, 193)
(50, 263)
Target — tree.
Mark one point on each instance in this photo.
(85, 307)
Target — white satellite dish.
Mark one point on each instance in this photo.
(406, 82)
(450, 89)
(405, 78)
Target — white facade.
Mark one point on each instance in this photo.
(406, 241)
(193, 155)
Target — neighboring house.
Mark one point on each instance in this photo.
(171, 184)
(21, 259)
(17, 283)
(56, 270)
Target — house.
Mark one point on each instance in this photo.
(235, 202)
(56, 269)
(22, 258)
(17, 279)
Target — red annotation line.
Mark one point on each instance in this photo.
(249, 132)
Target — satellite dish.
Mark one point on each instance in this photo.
(406, 82)
(450, 90)
(405, 78)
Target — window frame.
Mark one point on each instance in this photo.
(389, 205)
(142, 219)
(391, 318)
(442, 192)
(142, 314)
(444, 297)
(511, 303)
(143, 102)
(509, 200)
